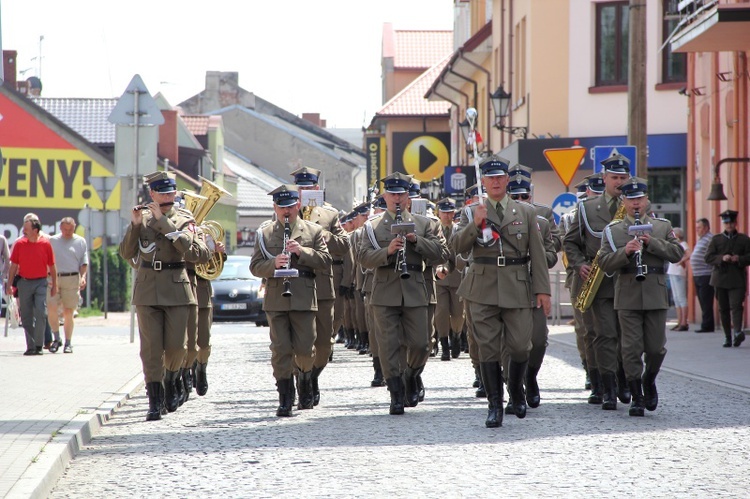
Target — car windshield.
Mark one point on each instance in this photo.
(236, 270)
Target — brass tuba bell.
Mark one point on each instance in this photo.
(200, 205)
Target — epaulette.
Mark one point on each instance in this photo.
(662, 219)
(330, 207)
(265, 223)
(526, 203)
(374, 216)
(613, 223)
(542, 205)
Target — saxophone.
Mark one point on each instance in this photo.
(591, 285)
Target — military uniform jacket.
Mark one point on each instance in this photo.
(651, 293)
(337, 241)
(453, 279)
(546, 212)
(509, 286)
(584, 238)
(314, 257)
(347, 279)
(728, 275)
(388, 287)
(147, 242)
(429, 271)
(359, 272)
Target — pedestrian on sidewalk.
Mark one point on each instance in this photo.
(702, 275)
(729, 253)
(72, 258)
(677, 273)
(32, 259)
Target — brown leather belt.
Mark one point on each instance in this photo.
(647, 269)
(501, 261)
(159, 265)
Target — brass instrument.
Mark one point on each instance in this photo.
(401, 254)
(636, 230)
(596, 275)
(287, 271)
(200, 204)
(306, 212)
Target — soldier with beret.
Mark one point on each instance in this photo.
(326, 281)
(637, 249)
(729, 253)
(290, 243)
(449, 314)
(508, 250)
(159, 240)
(519, 190)
(399, 294)
(582, 242)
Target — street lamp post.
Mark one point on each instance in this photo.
(501, 106)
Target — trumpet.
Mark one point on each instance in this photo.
(144, 207)
(401, 255)
(287, 271)
(636, 230)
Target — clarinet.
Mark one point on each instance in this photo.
(401, 255)
(640, 273)
(287, 234)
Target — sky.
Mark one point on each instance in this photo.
(302, 55)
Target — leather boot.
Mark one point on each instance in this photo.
(636, 406)
(195, 378)
(609, 392)
(348, 338)
(595, 397)
(587, 384)
(494, 387)
(455, 340)
(509, 406)
(411, 389)
(305, 389)
(464, 342)
(201, 381)
(420, 385)
(377, 380)
(284, 386)
(481, 391)
(340, 335)
(532, 387)
(650, 395)
(727, 339)
(623, 391)
(315, 388)
(516, 374)
(446, 355)
(477, 377)
(180, 388)
(354, 344)
(155, 390)
(171, 397)
(365, 345)
(396, 387)
(187, 380)
(739, 337)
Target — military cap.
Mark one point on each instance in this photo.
(161, 182)
(306, 176)
(728, 216)
(596, 183)
(379, 203)
(472, 191)
(397, 183)
(362, 209)
(635, 187)
(519, 184)
(415, 188)
(494, 166)
(519, 169)
(446, 204)
(617, 163)
(583, 185)
(285, 195)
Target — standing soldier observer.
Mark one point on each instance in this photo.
(326, 281)
(159, 239)
(291, 302)
(638, 248)
(507, 249)
(399, 294)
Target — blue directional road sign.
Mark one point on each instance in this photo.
(563, 204)
(600, 153)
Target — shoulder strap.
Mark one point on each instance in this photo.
(262, 243)
(371, 235)
(591, 231)
(608, 232)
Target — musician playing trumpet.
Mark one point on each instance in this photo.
(399, 302)
(637, 249)
(291, 318)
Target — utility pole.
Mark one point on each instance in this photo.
(637, 126)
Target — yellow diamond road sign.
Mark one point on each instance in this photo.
(565, 162)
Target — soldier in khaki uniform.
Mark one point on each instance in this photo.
(362, 345)
(641, 298)
(337, 241)
(290, 318)
(581, 243)
(378, 206)
(400, 304)
(507, 248)
(449, 314)
(541, 209)
(159, 239)
(729, 253)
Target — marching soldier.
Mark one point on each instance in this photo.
(449, 314)
(399, 296)
(159, 239)
(581, 243)
(639, 254)
(541, 209)
(291, 302)
(463, 261)
(361, 213)
(326, 281)
(507, 248)
(729, 253)
(378, 206)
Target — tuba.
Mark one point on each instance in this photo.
(200, 205)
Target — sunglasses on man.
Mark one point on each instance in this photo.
(523, 197)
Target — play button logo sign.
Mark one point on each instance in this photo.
(425, 157)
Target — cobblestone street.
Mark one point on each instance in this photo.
(231, 443)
